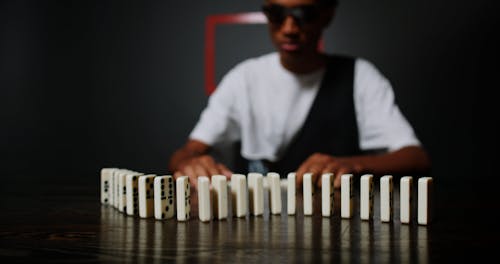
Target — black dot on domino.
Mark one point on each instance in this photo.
(166, 208)
(106, 200)
(163, 215)
(162, 181)
(147, 180)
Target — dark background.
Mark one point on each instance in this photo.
(92, 84)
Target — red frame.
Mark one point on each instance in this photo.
(210, 24)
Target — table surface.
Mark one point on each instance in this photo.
(66, 223)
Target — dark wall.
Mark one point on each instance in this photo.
(92, 84)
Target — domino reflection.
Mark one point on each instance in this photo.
(291, 235)
(366, 242)
(144, 241)
(326, 240)
(422, 244)
(205, 237)
(157, 242)
(345, 241)
(181, 236)
(405, 241)
(258, 231)
(307, 237)
(386, 238)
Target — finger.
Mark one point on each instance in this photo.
(315, 169)
(341, 171)
(319, 180)
(313, 164)
(336, 183)
(189, 171)
(200, 170)
(209, 165)
(186, 171)
(299, 175)
(329, 168)
(304, 168)
(224, 171)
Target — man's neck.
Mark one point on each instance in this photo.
(304, 64)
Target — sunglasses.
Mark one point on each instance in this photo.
(302, 14)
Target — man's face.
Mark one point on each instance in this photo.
(296, 25)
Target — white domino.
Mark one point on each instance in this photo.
(204, 199)
(106, 185)
(116, 188)
(164, 197)
(386, 198)
(183, 193)
(366, 197)
(146, 196)
(291, 193)
(405, 199)
(307, 193)
(275, 192)
(346, 196)
(132, 186)
(239, 195)
(327, 194)
(424, 200)
(122, 191)
(256, 193)
(112, 187)
(219, 185)
(120, 180)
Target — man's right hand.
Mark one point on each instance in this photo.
(192, 160)
(203, 165)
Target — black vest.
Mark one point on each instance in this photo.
(330, 127)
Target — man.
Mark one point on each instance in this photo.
(302, 110)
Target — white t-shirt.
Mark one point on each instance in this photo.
(264, 105)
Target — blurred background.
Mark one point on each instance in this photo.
(92, 84)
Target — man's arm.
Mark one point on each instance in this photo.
(193, 160)
(411, 160)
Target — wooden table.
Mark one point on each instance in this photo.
(66, 223)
